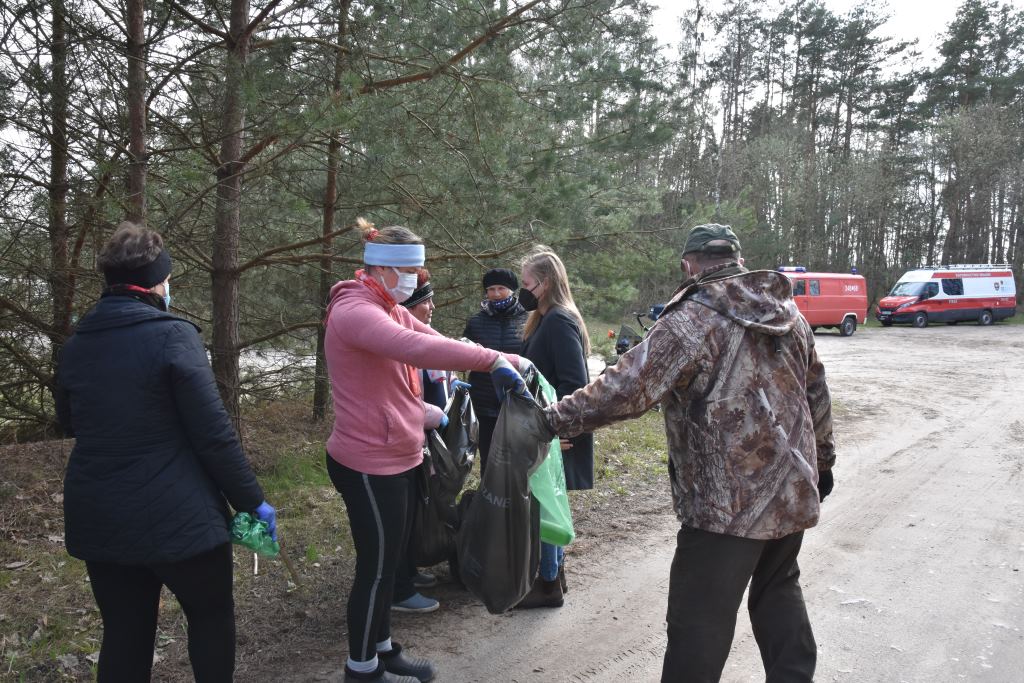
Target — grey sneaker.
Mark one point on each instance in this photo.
(398, 663)
(416, 603)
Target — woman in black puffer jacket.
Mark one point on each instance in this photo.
(499, 326)
(154, 459)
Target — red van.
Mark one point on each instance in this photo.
(981, 292)
(829, 299)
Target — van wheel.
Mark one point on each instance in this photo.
(985, 318)
(814, 328)
(848, 326)
(921, 320)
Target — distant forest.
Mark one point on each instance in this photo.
(251, 135)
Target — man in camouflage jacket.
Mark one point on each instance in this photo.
(749, 424)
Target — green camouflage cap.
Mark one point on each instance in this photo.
(699, 237)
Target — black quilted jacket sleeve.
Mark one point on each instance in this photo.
(206, 421)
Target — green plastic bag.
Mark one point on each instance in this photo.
(547, 484)
(254, 534)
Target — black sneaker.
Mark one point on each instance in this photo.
(424, 580)
(399, 664)
(381, 675)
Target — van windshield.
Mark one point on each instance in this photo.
(907, 289)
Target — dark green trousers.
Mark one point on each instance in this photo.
(709, 574)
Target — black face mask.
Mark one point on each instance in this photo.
(527, 299)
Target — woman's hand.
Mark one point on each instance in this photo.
(566, 444)
(266, 513)
(506, 378)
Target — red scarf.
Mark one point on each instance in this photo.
(412, 374)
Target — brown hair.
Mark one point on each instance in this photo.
(131, 246)
(393, 234)
(545, 265)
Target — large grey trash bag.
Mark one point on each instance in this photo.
(499, 538)
(447, 462)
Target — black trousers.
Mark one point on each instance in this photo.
(487, 425)
(380, 511)
(406, 570)
(129, 600)
(709, 574)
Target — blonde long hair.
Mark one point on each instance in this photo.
(545, 265)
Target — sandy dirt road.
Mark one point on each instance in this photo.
(916, 572)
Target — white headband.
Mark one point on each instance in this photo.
(376, 254)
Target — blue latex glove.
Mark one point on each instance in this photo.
(459, 384)
(266, 513)
(444, 421)
(506, 378)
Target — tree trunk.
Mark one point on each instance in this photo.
(57, 190)
(136, 97)
(227, 218)
(321, 386)
(1017, 226)
(998, 250)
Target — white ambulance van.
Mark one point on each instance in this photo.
(950, 294)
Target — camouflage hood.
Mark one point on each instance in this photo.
(760, 300)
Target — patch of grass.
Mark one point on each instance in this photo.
(311, 553)
(296, 470)
(630, 458)
(600, 343)
(1015, 320)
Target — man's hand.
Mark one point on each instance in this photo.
(825, 483)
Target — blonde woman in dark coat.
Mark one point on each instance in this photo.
(555, 339)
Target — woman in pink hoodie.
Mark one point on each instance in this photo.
(373, 348)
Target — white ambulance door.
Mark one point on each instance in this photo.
(953, 289)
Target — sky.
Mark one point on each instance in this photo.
(925, 20)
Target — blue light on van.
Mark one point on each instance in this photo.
(792, 269)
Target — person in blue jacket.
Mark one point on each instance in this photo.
(555, 339)
(155, 457)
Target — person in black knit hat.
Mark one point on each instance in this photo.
(498, 325)
(155, 457)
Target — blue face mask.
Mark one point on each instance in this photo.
(501, 304)
(167, 295)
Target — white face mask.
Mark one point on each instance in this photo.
(405, 287)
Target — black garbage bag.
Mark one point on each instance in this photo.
(499, 535)
(447, 461)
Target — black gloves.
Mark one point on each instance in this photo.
(825, 483)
